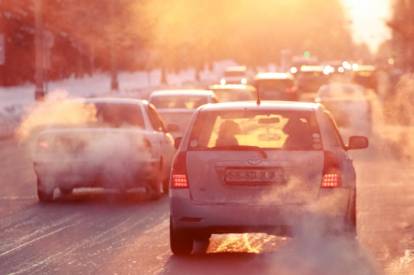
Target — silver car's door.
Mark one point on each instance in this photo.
(339, 149)
(164, 139)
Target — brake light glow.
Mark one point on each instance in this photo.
(330, 181)
(291, 90)
(179, 171)
(43, 144)
(331, 171)
(180, 181)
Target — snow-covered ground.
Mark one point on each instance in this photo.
(14, 101)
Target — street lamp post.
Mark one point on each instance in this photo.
(113, 48)
(114, 66)
(39, 92)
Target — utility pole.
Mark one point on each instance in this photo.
(114, 65)
(39, 75)
(113, 48)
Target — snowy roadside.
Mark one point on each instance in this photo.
(16, 101)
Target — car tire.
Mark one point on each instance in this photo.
(205, 237)
(181, 243)
(166, 186)
(44, 194)
(351, 222)
(65, 190)
(154, 189)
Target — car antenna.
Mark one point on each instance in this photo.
(257, 95)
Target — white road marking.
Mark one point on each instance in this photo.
(13, 198)
(38, 239)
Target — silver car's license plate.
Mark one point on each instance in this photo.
(247, 176)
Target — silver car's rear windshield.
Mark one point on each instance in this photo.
(178, 102)
(267, 129)
(274, 84)
(229, 95)
(234, 74)
(342, 91)
(101, 114)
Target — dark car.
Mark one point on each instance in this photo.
(366, 76)
(276, 86)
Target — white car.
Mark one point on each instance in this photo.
(111, 143)
(177, 106)
(233, 92)
(349, 104)
(276, 86)
(274, 167)
(234, 75)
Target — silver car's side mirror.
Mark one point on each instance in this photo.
(177, 142)
(357, 142)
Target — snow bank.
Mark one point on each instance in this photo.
(14, 101)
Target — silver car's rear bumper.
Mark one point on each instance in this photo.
(327, 213)
(86, 174)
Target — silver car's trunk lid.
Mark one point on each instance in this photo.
(180, 117)
(78, 143)
(237, 177)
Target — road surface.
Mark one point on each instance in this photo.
(97, 232)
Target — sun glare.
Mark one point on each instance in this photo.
(368, 19)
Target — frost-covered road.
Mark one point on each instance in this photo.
(96, 232)
(92, 232)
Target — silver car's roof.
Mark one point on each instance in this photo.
(109, 100)
(264, 105)
(182, 92)
(269, 76)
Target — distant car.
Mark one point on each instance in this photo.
(366, 76)
(233, 92)
(243, 167)
(276, 86)
(234, 75)
(348, 103)
(110, 143)
(299, 60)
(336, 67)
(311, 78)
(177, 106)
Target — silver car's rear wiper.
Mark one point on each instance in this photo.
(242, 148)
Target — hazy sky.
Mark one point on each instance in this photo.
(369, 17)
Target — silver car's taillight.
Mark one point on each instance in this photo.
(179, 171)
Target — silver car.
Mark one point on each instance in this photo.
(177, 106)
(110, 143)
(274, 167)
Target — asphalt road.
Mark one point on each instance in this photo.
(96, 232)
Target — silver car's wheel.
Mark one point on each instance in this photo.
(43, 193)
(181, 243)
(351, 220)
(65, 190)
(166, 186)
(154, 189)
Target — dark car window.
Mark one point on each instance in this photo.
(274, 84)
(99, 114)
(333, 129)
(234, 74)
